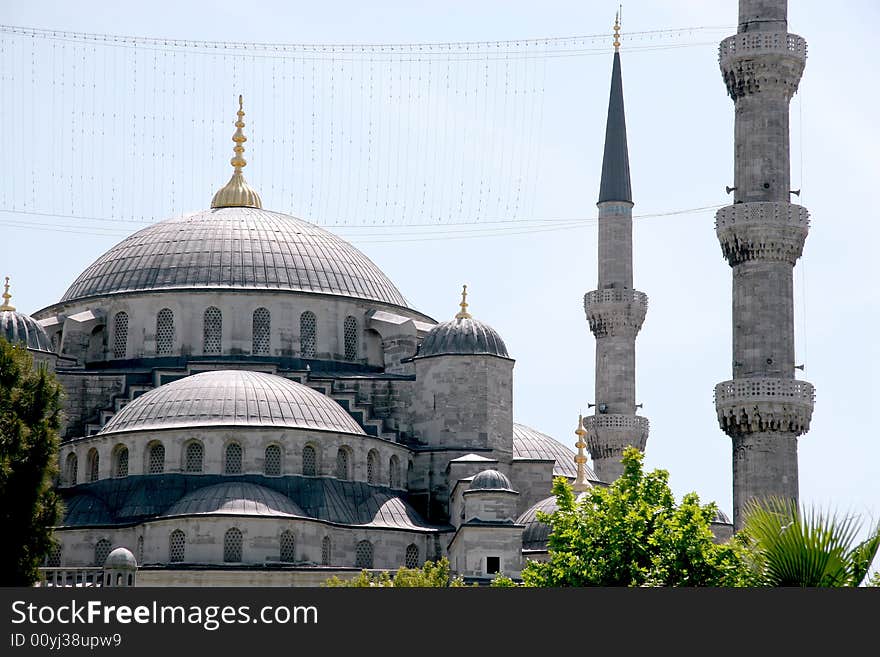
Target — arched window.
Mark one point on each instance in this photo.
(350, 332)
(310, 461)
(308, 334)
(394, 471)
(373, 467)
(156, 459)
(102, 549)
(92, 465)
(120, 335)
(140, 550)
(53, 559)
(326, 555)
(261, 332)
(288, 546)
(232, 546)
(176, 546)
(194, 457)
(412, 556)
(56, 341)
(363, 555)
(233, 459)
(272, 464)
(120, 461)
(164, 332)
(213, 330)
(342, 463)
(97, 343)
(409, 474)
(71, 468)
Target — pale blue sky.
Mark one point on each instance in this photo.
(530, 286)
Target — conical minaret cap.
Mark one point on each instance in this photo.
(615, 185)
(237, 193)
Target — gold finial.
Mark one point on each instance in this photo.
(580, 484)
(6, 297)
(617, 29)
(463, 313)
(237, 193)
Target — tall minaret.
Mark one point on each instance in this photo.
(763, 409)
(615, 311)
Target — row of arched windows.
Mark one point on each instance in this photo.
(194, 460)
(212, 332)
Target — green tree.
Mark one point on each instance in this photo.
(792, 546)
(431, 575)
(632, 533)
(30, 406)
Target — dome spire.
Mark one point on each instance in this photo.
(6, 297)
(237, 193)
(580, 483)
(463, 313)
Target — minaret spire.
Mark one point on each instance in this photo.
(6, 297)
(237, 193)
(615, 311)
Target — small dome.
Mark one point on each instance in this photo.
(490, 480)
(19, 328)
(235, 498)
(535, 534)
(120, 559)
(462, 336)
(233, 397)
(721, 518)
(529, 443)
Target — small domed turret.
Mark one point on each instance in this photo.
(19, 328)
(490, 480)
(463, 335)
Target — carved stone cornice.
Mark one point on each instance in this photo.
(754, 61)
(762, 231)
(615, 311)
(760, 404)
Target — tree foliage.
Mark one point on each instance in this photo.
(792, 546)
(632, 533)
(431, 575)
(30, 406)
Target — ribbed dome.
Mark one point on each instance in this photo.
(531, 444)
(235, 498)
(235, 248)
(462, 336)
(232, 397)
(490, 480)
(535, 534)
(17, 328)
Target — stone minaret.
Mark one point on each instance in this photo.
(615, 310)
(763, 408)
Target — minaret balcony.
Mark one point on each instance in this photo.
(758, 405)
(615, 311)
(762, 231)
(609, 433)
(754, 61)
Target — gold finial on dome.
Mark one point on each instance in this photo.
(6, 297)
(617, 30)
(237, 193)
(580, 484)
(463, 313)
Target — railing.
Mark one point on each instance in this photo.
(758, 43)
(71, 577)
(617, 421)
(615, 295)
(762, 212)
(764, 389)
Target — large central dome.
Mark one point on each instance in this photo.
(238, 248)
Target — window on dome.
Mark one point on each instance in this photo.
(232, 546)
(195, 456)
(92, 465)
(261, 328)
(342, 464)
(213, 330)
(350, 330)
(120, 335)
(140, 550)
(272, 465)
(102, 550)
(156, 459)
(176, 546)
(71, 468)
(373, 467)
(363, 555)
(325, 551)
(308, 334)
(394, 471)
(120, 465)
(53, 559)
(233, 459)
(310, 461)
(164, 332)
(412, 556)
(288, 546)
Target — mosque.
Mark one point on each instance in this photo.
(249, 400)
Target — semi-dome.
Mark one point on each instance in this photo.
(490, 480)
(531, 444)
(19, 328)
(235, 498)
(243, 248)
(232, 397)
